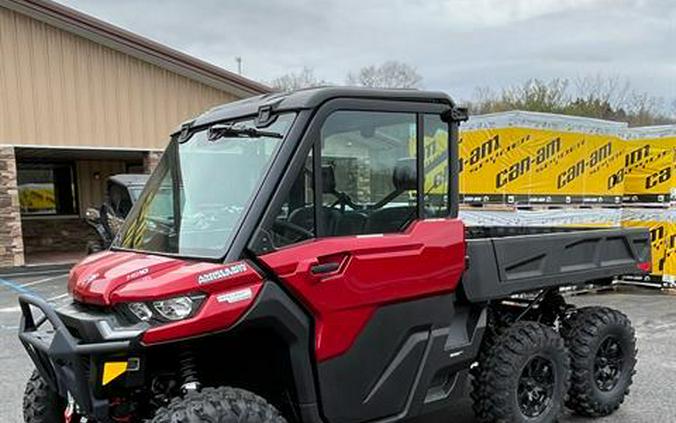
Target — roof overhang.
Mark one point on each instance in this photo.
(136, 46)
(39, 154)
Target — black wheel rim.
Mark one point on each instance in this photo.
(536, 387)
(608, 364)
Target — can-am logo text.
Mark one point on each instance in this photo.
(221, 273)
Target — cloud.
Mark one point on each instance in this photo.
(456, 45)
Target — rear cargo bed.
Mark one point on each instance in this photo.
(508, 260)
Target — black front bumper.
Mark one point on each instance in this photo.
(65, 361)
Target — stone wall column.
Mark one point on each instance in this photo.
(150, 160)
(11, 241)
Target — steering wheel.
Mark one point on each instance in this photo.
(304, 233)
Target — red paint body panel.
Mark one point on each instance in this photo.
(375, 270)
(112, 278)
(214, 316)
(94, 279)
(427, 259)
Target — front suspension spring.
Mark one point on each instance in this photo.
(188, 370)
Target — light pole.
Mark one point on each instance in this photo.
(238, 59)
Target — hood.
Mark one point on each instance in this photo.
(112, 277)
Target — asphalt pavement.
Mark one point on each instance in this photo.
(15, 366)
(651, 400)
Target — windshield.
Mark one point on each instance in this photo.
(193, 203)
(135, 192)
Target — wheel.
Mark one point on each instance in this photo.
(523, 376)
(602, 346)
(223, 405)
(40, 403)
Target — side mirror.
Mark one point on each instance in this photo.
(92, 214)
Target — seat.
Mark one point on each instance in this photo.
(350, 223)
(392, 219)
(304, 217)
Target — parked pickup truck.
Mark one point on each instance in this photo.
(303, 271)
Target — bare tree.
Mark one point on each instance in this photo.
(537, 95)
(609, 89)
(391, 74)
(644, 109)
(598, 96)
(306, 78)
(485, 101)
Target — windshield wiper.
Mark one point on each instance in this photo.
(219, 131)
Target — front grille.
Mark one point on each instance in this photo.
(74, 331)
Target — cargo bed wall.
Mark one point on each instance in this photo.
(500, 267)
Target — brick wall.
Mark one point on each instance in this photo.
(41, 235)
(11, 244)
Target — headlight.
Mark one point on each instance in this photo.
(171, 309)
(174, 308)
(141, 311)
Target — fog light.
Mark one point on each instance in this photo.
(174, 308)
(141, 311)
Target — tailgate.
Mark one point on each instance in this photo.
(499, 267)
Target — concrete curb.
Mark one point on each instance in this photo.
(38, 269)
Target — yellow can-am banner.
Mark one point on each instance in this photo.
(649, 170)
(520, 157)
(540, 165)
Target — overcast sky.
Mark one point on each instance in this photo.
(456, 45)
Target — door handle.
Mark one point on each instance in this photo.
(324, 268)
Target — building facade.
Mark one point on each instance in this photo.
(81, 100)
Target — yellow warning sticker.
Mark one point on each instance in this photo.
(112, 370)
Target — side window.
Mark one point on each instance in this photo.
(436, 167)
(295, 219)
(125, 203)
(369, 178)
(115, 195)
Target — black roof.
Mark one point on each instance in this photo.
(130, 179)
(313, 97)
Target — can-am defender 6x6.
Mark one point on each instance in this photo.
(299, 258)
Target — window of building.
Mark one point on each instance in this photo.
(46, 189)
(369, 177)
(436, 167)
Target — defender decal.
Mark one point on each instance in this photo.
(235, 296)
(220, 274)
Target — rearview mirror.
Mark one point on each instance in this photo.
(92, 214)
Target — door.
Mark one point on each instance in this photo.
(355, 246)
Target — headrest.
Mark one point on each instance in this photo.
(404, 177)
(328, 179)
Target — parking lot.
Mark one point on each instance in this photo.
(653, 315)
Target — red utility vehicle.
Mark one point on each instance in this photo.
(299, 257)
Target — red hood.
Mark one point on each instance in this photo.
(111, 277)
